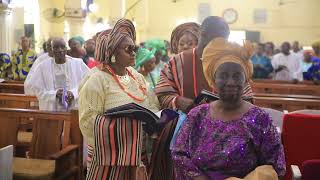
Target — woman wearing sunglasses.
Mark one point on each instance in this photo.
(111, 84)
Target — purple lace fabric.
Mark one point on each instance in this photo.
(219, 149)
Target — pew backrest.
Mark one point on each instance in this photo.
(10, 100)
(16, 88)
(281, 82)
(275, 88)
(51, 130)
(286, 103)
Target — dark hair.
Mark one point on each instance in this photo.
(271, 44)
(212, 27)
(286, 43)
(261, 45)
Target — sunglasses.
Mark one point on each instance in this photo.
(131, 48)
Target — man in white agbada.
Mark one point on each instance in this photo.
(287, 65)
(55, 81)
(296, 50)
(39, 60)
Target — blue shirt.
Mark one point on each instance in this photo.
(314, 71)
(265, 63)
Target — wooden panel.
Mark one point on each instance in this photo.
(8, 129)
(10, 100)
(280, 82)
(11, 88)
(290, 104)
(300, 89)
(13, 82)
(286, 96)
(49, 125)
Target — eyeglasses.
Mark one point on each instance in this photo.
(131, 48)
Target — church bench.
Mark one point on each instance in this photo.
(13, 82)
(281, 82)
(47, 138)
(11, 88)
(21, 101)
(287, 103)
(11, 100)
(273, 88)
(286, 96)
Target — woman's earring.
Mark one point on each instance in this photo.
(113, 59)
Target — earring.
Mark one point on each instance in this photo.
(113, 59)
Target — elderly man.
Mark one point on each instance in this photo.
(55, 81)
(23, 60)
(286, 65)
(183, 79)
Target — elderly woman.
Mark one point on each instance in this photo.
(229, 137)
(145, 64)
(184, 37)
(111, 84)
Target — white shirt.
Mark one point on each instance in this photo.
(299, 54)
(293, 67)
(38, 61)
(48, 77)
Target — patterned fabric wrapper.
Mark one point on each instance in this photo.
(118, 148)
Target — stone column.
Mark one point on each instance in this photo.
(75, 17)
(5, 30)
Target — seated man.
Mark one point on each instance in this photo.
(22, 60)
(262, 67)
(5, 65)
(55, 81)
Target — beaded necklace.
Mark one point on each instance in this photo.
(144, 91)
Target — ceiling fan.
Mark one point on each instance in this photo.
(284, 2)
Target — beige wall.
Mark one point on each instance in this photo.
(47, 28)
(292, 21)
(157, 18)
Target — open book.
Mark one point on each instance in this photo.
(207, 96)
(152, 122)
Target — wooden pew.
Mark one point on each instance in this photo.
(11, 88)
(13, 82)
(287, 103)
(280, 82)
(286, 96)
(45, 125)
(10, 100)
(299, 89)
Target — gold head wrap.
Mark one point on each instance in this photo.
(220, 51)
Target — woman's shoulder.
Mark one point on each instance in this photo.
(134, 72)
(199, 110)
(94, 78)
(258, 117)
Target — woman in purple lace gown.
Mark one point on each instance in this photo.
(228, 137)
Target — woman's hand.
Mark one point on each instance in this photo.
(184, 104)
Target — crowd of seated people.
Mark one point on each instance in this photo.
(292, 63)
